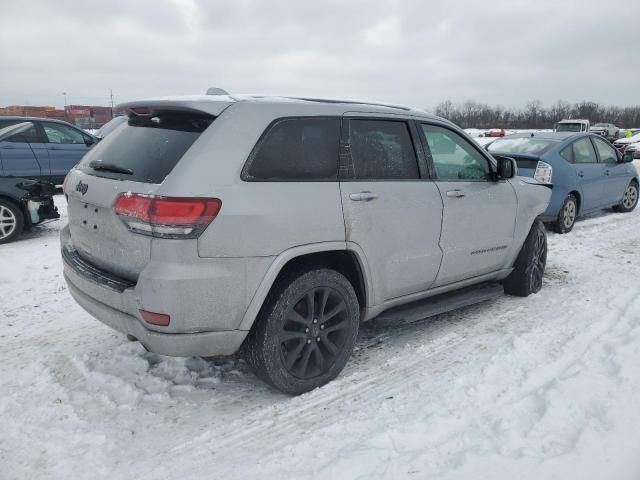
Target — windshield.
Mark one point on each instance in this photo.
(145, 148)
(530, 145)
(569, 127)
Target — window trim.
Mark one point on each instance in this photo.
(244, 173)
(431, 163)
(345, 151)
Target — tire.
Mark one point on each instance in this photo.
(528, 270)
(566, 216)
(11, 221)
(305, 332)
(629, 199)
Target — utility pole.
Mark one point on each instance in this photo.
(111, 96)
(64, 94)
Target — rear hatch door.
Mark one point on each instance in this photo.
(135, 158)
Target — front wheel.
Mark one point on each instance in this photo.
(11, 221)
(567, 215)
(629, 199)
(305, 332)
(528, 270)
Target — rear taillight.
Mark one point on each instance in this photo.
(166, 217)
(544, 173)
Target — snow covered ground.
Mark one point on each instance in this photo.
(545, 387)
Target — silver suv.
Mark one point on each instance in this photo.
(273, 226)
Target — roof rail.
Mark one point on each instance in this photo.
(353, 102)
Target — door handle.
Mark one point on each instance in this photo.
(581, 174)
(55, 148)
(363, 196)
(455, 194)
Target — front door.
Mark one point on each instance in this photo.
(616, 176)
(390, 211)
(590, 174)
(479, 213)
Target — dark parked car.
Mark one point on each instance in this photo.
(46, 151)
(587, 173)
(23, 202)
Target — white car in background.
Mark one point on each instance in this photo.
(623, 143)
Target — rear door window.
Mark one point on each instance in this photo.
(380, 150)
(296, 149)
(148, 146)
(30, 136)
(583, 151)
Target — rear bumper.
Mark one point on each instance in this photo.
(202, 344)
(205, 298)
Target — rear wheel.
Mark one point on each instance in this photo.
(528, 270)
(11, 221)
(629, 199)
(305, 332)
(567, 215)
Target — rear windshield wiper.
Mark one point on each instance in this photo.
(109, 167)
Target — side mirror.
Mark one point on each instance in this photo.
(88, 141)
(507, 168)
(627, 157)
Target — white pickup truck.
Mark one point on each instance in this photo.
(573, 125)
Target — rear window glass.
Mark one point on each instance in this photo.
(531, 145)
(147, 147)
(297, 149)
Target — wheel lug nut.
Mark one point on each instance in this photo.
(306, 330)
(309, 340)
(315, 320)
(322, 326)
(317, 339)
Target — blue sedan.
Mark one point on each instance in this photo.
(46, 151)
(586, 171)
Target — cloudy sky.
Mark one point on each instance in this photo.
(414, 52)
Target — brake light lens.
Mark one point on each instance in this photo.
(166, 217)
(544, 173)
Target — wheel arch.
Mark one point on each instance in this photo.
(340, 256)
(576, 194)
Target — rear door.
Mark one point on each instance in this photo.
(590, 174)
(25, 154)
(135, 158)
(479, 213)
(66, 146)
(616, 176)
(390, 209)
